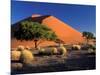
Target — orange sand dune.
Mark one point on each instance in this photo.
(65, 33)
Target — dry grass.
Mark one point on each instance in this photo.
(63, 51)
(54, 50)
(26, 56)
(15, 55)
(76, 47)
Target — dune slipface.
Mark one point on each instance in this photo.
(64, 31)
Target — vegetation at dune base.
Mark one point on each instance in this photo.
(88, 36)
(29, 30)
(22, 55)
(26, 57)
(90, 47)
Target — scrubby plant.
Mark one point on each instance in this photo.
(54, 50)
(26, 57)
(20, 48)
(92, 47)
(49, 51)
(41, 51)
(88, 46)
(90, 50)
(76, 47)
(15, 66)
(15, 55)
(63, 51)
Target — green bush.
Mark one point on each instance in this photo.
(41, 51)
(92, 47)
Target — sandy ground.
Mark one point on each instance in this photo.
(75, 60)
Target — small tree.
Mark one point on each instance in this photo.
(28, 30)
(88, 36)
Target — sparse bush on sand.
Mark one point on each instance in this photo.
(76, 47)
(41, 50)
(91, 48)
(26, 56)
(54, 50)
(15, 55)
(63, 51)
(20, 48)
(88, 46)
(49, 51)
(16, 65)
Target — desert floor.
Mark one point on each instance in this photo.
(75, 60)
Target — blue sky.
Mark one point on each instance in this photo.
(80, 17)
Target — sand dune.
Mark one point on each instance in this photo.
(64, 31)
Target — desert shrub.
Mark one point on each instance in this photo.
(15, 55)
(90, 50)
(54, 50)
(88, 46)
(63, 51)
(76, 47)
(41, 51)
(92, 47)
(16, 66)
(26, 57)
(20, 48)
